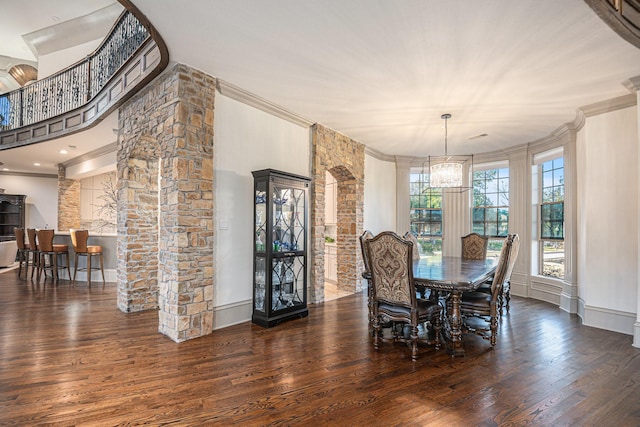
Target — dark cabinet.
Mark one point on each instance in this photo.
(11, 215)
(280, 247)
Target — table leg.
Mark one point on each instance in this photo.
(455, 323)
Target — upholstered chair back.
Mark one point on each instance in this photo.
(391, 269)
(474, 246)
(416, 246)
(365, 258)
(508, 256)
(45, 240)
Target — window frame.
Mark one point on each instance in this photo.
(502, 191)
(430, 204)
(553, 190)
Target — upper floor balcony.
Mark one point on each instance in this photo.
(84, 93)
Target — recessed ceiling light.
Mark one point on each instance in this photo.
(36, 164)
(63, 151)
(72, 147)
(5, 169)
(55, 18)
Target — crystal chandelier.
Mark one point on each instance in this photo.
(447, 174)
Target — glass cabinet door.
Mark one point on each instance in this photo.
(280, 220)
(288, 215)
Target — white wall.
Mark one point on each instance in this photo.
(379, 195)
(608, 220)
(246, 139)
(56, 61)
(41, 208)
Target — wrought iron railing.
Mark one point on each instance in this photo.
(76, 85)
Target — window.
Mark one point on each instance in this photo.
(490, 212)
(552, 217)
(425, 213)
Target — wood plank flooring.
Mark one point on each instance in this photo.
(69, 357)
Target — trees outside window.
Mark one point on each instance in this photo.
(552, 218)
(425, 210)
(490, 211)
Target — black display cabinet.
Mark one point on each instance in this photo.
(280, 247)
(11, 215)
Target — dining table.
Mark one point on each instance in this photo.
(453, 275)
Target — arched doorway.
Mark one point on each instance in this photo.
(343, 158)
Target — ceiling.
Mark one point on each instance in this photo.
(383, 72)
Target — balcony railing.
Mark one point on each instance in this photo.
(84, 93)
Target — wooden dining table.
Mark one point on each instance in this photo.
(453, 275)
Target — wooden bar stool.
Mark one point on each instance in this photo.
(53, 251)
(33, 250)
(79, 240)
(23, 251)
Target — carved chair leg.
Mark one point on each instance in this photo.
(437, 325)
(376, 332)
(507, 295)
(414, 342)
(494, 329)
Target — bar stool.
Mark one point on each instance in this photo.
(23, 251)
(33, 250)
(47, 247)
(79, 240)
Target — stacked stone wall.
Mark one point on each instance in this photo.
(166, 142)
(343, 157)
(68, 201)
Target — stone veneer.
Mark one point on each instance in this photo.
(68, 201)
(165, 202)
(343, 157)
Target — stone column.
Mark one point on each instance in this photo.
(165, 202)
(68, 201)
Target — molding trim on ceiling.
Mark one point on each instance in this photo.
(632, 84)
(29, 174)
(73, 32)
(609, 105)
(106, 149)
(379, 154)
(236, 93)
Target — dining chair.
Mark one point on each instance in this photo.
(366, 274)
(485, 306)
(394, 292)
(416, 246)
(34, 249)
(47, 249)
(79, 239)
(23, 251)
(474, 246)
(416, 257)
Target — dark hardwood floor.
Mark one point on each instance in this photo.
(70, 357)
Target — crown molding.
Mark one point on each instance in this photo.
(632, 84)
(29, 174)
(379, 154)
(106, 149)
(236, 93)
(609, 105)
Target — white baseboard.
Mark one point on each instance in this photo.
(232, 314)
(110, 275)
(611, 320)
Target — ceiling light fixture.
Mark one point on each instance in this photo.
(447, 172)
(63, 151)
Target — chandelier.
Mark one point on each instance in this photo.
(447, 173)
